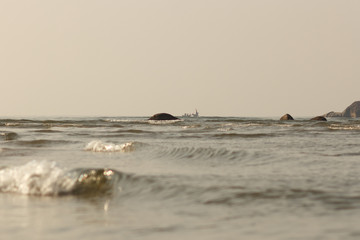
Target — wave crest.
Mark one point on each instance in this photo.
(203, 153)
(99, 146)
(47, 179)
(164, 122)
(8, 135)
(344, 127)
(95, 181)
(35, 178)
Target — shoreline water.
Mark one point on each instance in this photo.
(202, 178)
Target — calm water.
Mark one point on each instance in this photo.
(205, 178)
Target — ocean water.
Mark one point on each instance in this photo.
(197, 178)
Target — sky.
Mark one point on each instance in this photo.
(248, 58)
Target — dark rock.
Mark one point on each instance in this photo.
(287, 117)
(163, 116)
(333, 114)
(352, 111)
(319, 118)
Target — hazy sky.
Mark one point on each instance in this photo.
(139, 57)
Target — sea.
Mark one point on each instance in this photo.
(204, 178)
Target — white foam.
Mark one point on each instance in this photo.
(192, 126)
(126, 120)
(99, 146)
(225, 129)
(12, 124)
(342, 127)
(35, 178)
(164, 122)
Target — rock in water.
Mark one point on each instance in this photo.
(287, 117)
(333, 114)
(319, 118)
(163, 116)
(352, 111)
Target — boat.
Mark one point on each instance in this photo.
(191, 115)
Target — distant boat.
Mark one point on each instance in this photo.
(191, 115)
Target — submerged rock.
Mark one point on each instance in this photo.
(286, 117)
(163, 116)
(319, 118)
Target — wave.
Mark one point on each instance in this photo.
(46, 124)
(91, 182)
(345, 154)
(238, 195)
(48, 179)
(136, 131)
(202, 153)
(244, 135)
(126, 133)
(41, 142)
(99, 146)
(42, 178)
(192, 126)
(126, 120)
(11, 152)
(8, 136)
(47, 131)
(344, 127)
(164, 122)
(139, 121)
(35, 178)
(80, 123)
(21, 123)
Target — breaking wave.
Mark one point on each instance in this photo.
(164, 122)
(48, 179)
(99, 146)
(344, 127)
(35, 178)
(42, 178)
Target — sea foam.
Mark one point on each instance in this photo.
(43, 178)
(36, 178)
(99, 146)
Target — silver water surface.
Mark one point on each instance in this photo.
(204, 178)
